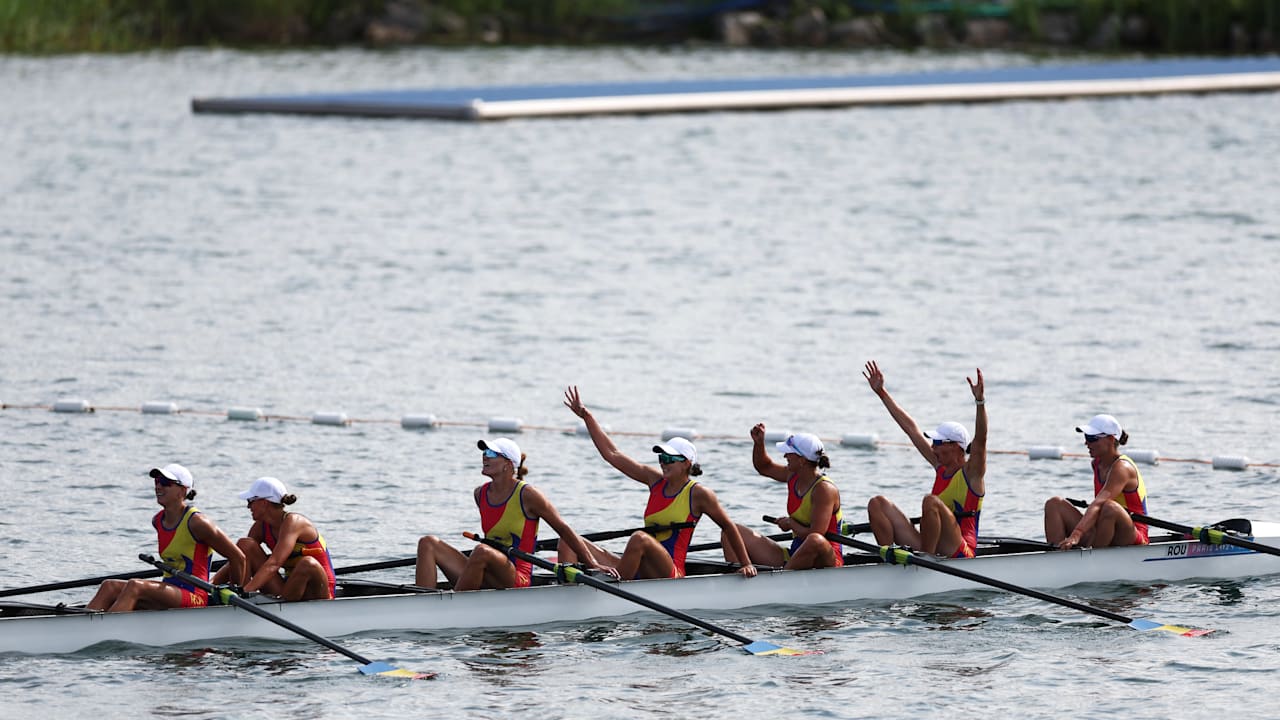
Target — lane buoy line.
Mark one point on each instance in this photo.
(866, 441)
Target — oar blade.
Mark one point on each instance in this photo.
(760, 647)
(1143, 625)
(389, 670)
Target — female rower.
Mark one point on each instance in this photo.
(949, 513)
(510, 511)
(299, 566)
(187, 539)
(1106, 521)
(674, 497)
(813, 505)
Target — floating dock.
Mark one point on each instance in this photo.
(1040, 82)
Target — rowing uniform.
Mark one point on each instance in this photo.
(180, 549)
(663, 509)
(316, 549)
(1134, 501)
(800, 508)
(965, 504)
(508, 523)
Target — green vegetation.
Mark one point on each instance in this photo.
(55, 26)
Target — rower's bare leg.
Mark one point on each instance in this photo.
(107, 593)
(938, 527)
(486, 568)
(435, 553)
(1114, 527)
(814, 552)
(760, 549)
(644, 557)
(889, 524)
(307, 581)
(147, 595)
(1060, 518)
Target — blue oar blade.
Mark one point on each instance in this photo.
(760, 647)
(1142, 625)
(388, 670)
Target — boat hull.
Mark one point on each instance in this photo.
(1162, 561)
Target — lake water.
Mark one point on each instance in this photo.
(696, 271)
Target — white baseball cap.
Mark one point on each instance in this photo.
(265, 488)
(951, 432)
(175, 473)
(504, 447)
(678, 446)
(807, 446)
(1102, 425)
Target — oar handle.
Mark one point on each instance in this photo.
(254, 609)
(903, 557)
(1206, 535)
(577, 575)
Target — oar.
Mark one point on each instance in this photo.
(570, 573)
(847, 528)
(367, 666)
(899, 556)
(1206, 535)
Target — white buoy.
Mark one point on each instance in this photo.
(244, 413)
(673, 432)
(505, 425)
(159, 408)
(1045, 452)
(330, 418)
(72, 405)
(413, 422)
(1230, 462)
(869, 441)
(1149, 457)
(581, 429)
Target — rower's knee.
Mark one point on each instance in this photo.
(878, 505)
(1054, 503)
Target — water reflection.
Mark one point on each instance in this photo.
(502, 657)
(947, 617)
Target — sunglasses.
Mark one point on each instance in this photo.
(491, 454)
(251, 501)
(165, 482)
(666, 459)
(1093, 438)
(939, 441)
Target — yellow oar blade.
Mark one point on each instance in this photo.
(760, 647)
(388, 670)
(1149, 625)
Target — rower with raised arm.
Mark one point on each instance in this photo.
(510, 511)
(813, 505)
(1118, 489)
(949, 513)
(187, 539)
(674, 497)
(299, 566)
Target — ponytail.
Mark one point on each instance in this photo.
(522, 470)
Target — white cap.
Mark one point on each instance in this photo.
(951, 432)
(678, 446)
(267, 488)
(1102, 425)
(504, 447)
(176, 473)
(807, 446)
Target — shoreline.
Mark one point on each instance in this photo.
(1105, 26)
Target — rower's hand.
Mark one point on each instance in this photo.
(573, 401)
(609, 570)
(757, 433)
(747, 570)
(874, 377)
(784, 523)
(1067, 543)
(976, 388)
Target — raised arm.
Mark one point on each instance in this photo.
(604, 444)
(875, 379)
(975, 469)
(760, 456)
(537, 504)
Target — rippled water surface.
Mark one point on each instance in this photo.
(696, 271)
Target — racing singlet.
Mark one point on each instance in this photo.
(180, 549)
(965, 504)
(1135, 501)
(316, 549)
(800, 508)
(669, 510)
(507, 523)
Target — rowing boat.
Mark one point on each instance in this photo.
(40, 629)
